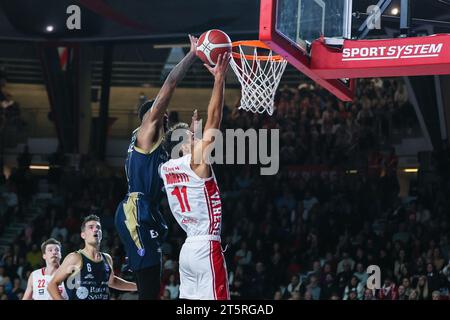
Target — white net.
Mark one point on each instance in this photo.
(259, 78)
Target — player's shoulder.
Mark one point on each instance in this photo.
(74, 256)
(176, 164)
(167, 164)
(108, 256)
(37, 273)
(108, 259)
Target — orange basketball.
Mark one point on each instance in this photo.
(212, 43)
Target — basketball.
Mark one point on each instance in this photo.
(212, 43)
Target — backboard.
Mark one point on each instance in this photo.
(289, 27)
(315, 36)
(303, 21)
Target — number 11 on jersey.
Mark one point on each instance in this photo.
(184, 204)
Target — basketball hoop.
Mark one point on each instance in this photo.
(259, 74)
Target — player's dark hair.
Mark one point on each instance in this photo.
(168, 144)
(47, 242)
(147, 105)
(91, 217)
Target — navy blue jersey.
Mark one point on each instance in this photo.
(138, 220)
(141, 168)
(91, 283)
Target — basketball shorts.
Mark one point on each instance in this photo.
(203, 272)
(142, 229)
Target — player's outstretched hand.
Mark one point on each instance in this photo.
(194, 42)
(221, 67)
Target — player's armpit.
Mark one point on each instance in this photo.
(147, 136)
(149, 147)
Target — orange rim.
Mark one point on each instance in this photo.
(257, 44)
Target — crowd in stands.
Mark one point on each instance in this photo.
(318, 128)
(299, 235)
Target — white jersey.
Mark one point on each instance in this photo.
(195, 202)
(40, 283)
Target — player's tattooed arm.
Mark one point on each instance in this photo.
(152, 120)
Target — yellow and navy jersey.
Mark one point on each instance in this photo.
(141, 168)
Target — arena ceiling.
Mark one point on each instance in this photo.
(157, 21)
(126, 19)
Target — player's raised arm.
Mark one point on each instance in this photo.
(116, 282)
(214, 118)
(152, 120)
(70, 263)
(215, 107)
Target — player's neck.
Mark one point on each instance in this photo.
(92, 252)
(50, 269)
